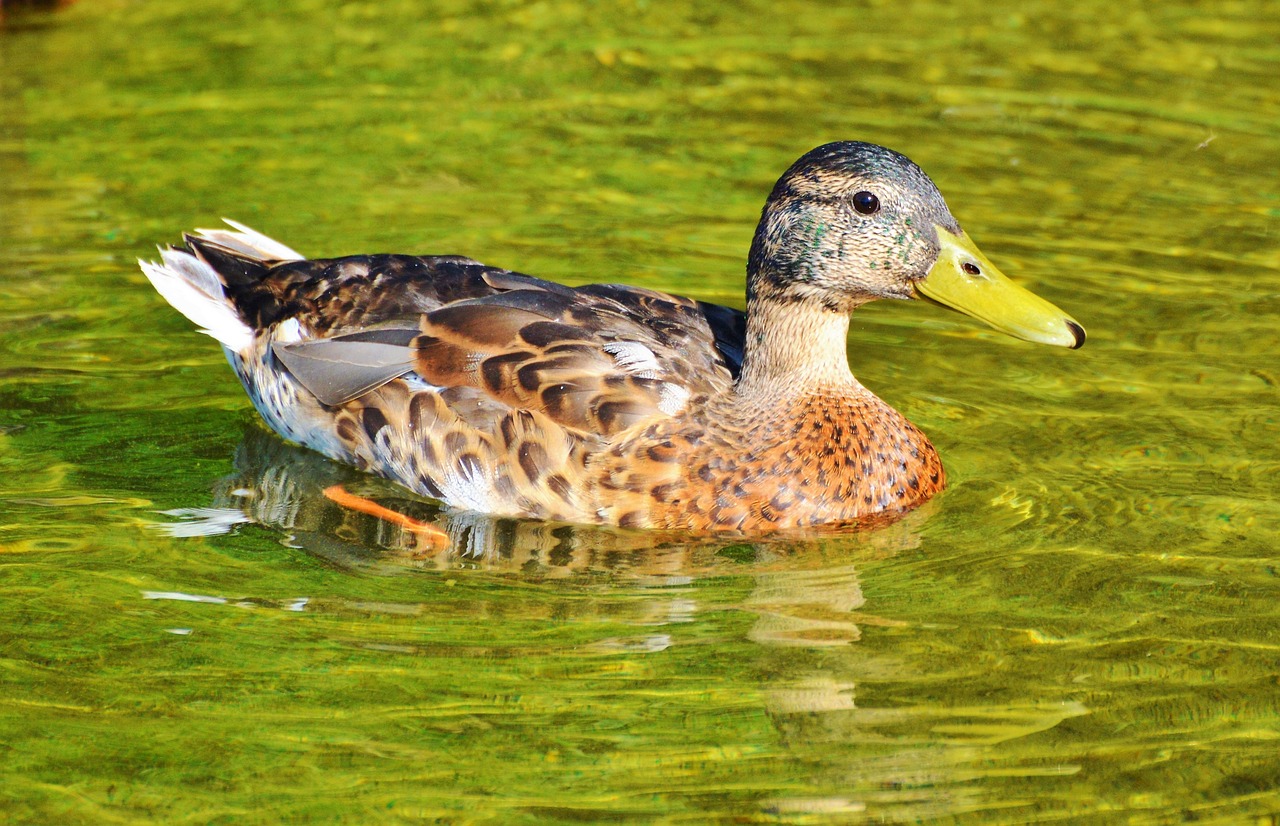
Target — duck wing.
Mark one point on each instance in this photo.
(598, 359)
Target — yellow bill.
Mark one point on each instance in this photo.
(964, 280)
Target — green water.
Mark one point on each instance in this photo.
(1084, 628)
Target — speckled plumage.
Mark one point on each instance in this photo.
(498, 392)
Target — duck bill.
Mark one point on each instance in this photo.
(964, 280)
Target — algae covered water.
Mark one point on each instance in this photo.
(1083, 627)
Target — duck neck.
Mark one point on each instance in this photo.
(794, 346)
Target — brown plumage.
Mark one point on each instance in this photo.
(608, 404)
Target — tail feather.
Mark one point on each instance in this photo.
(194, 290)
(239, 272)
(195, 280)
(249, 243)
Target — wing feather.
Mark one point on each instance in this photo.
(337, 370)
(597, 360)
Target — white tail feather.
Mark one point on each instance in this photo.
(250, 242)
(195, 290)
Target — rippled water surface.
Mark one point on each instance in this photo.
(1084, 628)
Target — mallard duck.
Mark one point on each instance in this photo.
(503, 393)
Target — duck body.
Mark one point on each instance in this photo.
(498, 392)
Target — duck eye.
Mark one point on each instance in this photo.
(866, 203)
(971, 268)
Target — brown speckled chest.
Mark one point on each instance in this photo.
(816, 458)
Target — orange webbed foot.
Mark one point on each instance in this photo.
(429, 533)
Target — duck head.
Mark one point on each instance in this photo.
(851, 222)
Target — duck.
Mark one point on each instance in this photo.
(607, 404)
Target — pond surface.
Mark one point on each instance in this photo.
(1085, 627)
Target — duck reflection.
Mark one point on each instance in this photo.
(805, 593)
